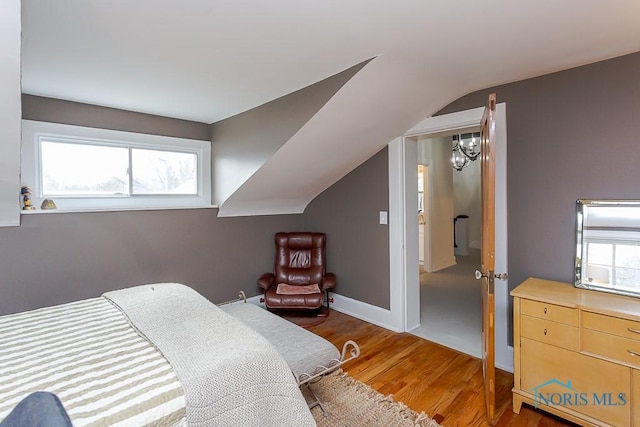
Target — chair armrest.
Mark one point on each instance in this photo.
(266, 280)
(329, 281)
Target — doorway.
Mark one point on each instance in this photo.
(448, 204)
(404, 312)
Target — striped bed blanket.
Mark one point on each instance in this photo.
(150, 355)
(89, 355)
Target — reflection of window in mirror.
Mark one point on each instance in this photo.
(608, 246)
(616, 263)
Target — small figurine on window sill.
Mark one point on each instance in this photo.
(25, 191)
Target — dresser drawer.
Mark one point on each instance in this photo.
(576, 381)
(556, 313)
(616, 348)
(611, 325)
(546, 331)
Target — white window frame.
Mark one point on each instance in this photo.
(33, 132)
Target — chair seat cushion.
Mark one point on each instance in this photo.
(286, 289)
(272, 299)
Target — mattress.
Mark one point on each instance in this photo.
(89, 355)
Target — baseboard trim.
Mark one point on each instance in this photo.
(256, 300)
(507, 365)
(363, 311)
(411, 328)
(251, 300)
(358, 309)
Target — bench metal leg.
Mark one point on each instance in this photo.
(315, 402)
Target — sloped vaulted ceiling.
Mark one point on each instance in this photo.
(208, 60)
(243, 143)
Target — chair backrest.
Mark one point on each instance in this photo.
(300, 258)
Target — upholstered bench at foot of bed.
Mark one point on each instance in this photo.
(308, 355)
(304, 351)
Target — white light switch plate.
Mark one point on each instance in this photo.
(383, 217)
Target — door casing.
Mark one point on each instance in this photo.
(403, 228)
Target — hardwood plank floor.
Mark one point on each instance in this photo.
(427, 377)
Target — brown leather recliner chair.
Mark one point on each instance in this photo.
(300, 280)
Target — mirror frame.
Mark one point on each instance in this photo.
(582, 206)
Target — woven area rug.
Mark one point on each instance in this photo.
(350, 403)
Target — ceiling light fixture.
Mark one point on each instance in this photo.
(466, 149)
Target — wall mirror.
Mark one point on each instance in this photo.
(608, 246)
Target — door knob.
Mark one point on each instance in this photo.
(480, 275)
(501, 276)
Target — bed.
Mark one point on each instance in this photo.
(150, 355)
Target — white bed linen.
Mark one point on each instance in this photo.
(231, 375)
(88, 354)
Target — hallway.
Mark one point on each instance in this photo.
(450, 306)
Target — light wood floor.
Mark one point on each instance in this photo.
(427, 377)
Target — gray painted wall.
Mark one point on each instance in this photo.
(570, 135)
(54, 258)
(357, 245)
(74, 113)
(61, 257)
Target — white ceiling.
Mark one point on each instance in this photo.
(206, 60)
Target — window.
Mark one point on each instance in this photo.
(96, 169)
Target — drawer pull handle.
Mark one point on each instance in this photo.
(545, 332)
(545, 310)
(635, 331)
(633, 353)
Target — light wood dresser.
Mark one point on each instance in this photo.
(577, 353)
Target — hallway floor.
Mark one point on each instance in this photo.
(450, 306)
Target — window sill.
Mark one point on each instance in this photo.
(62, 211)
